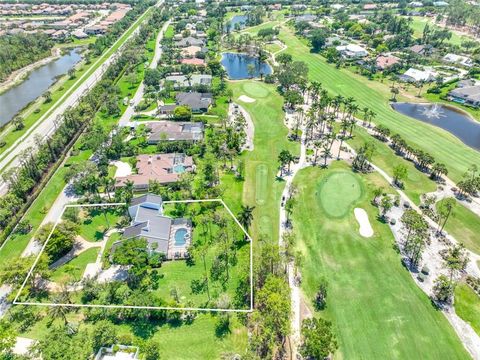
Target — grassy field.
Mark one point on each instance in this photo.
(261, 189)
(377, 310)
(418, 24)
(203, 340)
(77, 264)
(416, 183)
(467, 306)
(94, 224)
(442, 145)
(464, 225)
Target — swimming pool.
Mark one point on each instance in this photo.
(178, 169)
(180, 237)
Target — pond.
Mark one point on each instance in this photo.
(237, 19)
(39, 80)
(237, 66)
(448, 118)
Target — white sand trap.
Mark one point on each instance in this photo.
(246, 99)
(123, 169)
(362, 218)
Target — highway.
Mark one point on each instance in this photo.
(45, 126)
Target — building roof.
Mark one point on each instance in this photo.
(175, 130)
(196, 79)
(193, 61)
(159, 167)
(384, 62)
(189, 41)
(195, 100)
(156, 199)
(419, 75)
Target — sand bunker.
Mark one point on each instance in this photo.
(246, 99)
(362, 218)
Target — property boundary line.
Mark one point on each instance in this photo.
(16, 302)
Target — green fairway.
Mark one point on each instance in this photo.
(77, 266)
(261, 189)
(467, 306)
(418, 24)
(416, 183)
(377, 310)
(464, 225)
(336, 203)
(445, 147)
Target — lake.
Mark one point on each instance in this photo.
(39, 80)
(448, 118)
(236, 66)
(237, 19)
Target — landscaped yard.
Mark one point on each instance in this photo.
(445, 147)
(377, 310)
(464, 225)
(95, 223)
(467, 306)
(74, 269)
(416, 183)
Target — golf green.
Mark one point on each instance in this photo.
(338, 192)
(255, 89)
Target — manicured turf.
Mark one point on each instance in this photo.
(416, 183)
(464, 225)
(94, 225)
(377, 310)
(78, 263)
(261, 189)
(467, 306)
(337, 203)
(445, 147)
(418, 24)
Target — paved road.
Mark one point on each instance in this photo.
(46, 124)
(130, 111)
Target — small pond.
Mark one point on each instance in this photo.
(237, 19)
(237, 66)
(448, 118)
(39, 80)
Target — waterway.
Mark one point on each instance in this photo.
(39, 80)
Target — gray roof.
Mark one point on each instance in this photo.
(190, 41)
(471, 93)
(156, 199)
(158, 226)
(175, 130)
(195, 100)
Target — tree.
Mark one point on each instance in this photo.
(285, 157)
(376, 193)
(400, 173)
(245, 217)
(182, 112)
(47, 95)
(456, 259)
(438, 169)
(319, 341)
(18, 123)
(443, 289)
(321, 295)
(251, 70)
(386, 205)
(104, 334)
(151, 350)
(8, 336)
(444, 210)
(317, 39)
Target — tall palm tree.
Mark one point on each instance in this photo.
(245, 216)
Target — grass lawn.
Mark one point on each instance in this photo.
(464, 225)
(377, 310)
(78, 263)
(202, 340)
(445, 147)
(169, 33)
(416, 183)
(261, 189)
(418, 24)
(273, 48)
(467, 306)
(94, 224)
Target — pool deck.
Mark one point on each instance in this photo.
(176, 251)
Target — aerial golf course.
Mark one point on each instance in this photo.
(366, 281)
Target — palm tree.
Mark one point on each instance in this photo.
(245, 216)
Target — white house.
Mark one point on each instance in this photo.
(352, 51)
(458, 59)
(415, 4)
(415, 75)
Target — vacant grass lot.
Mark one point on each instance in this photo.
(261, 189)
(467, 306)
(418, 24)
(416, 183)
(464, 225)
(377, 310)
(443, 146)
